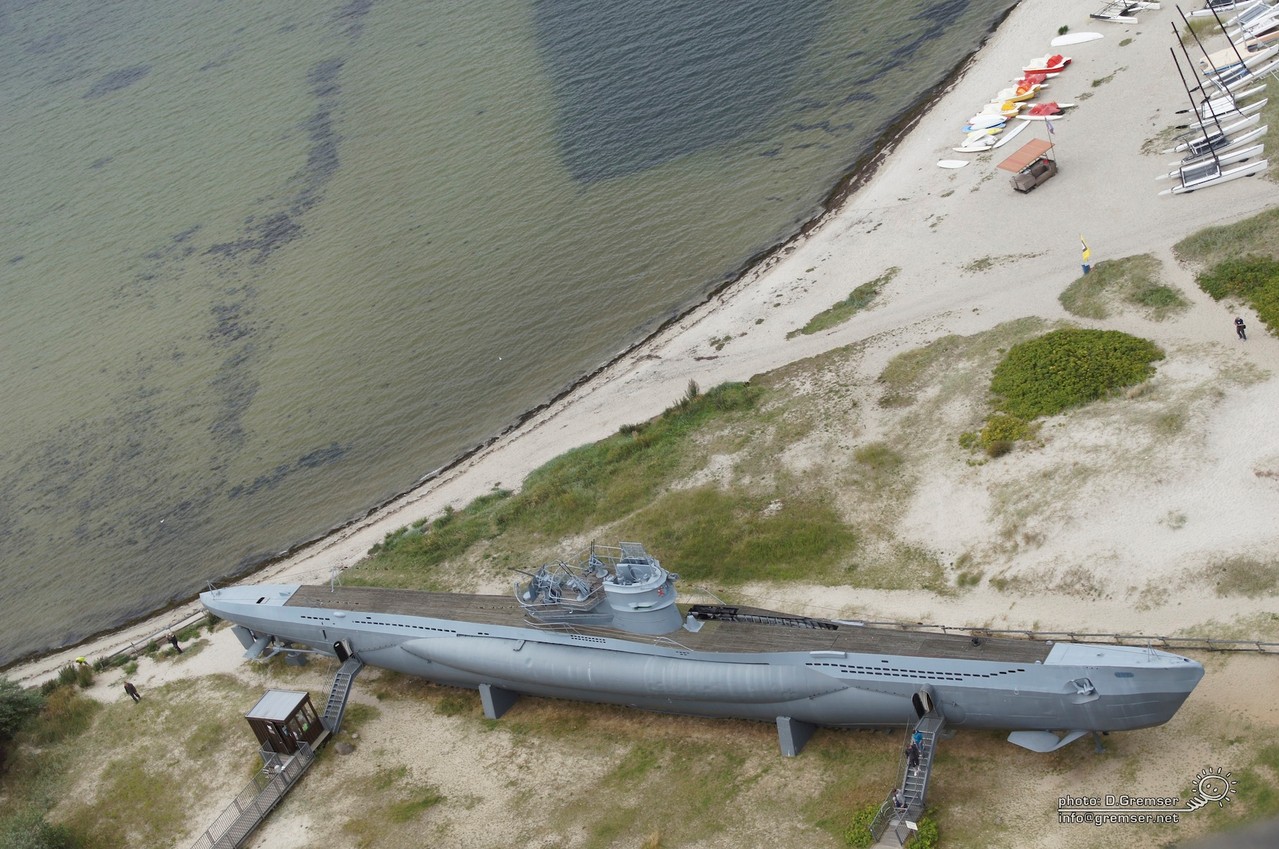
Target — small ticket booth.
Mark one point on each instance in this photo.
(283, 718)
(1031, 165)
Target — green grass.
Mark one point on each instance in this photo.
(986, 263)
(1055, 372)
(1252, 279)
(1132, 280)
(28, 829)
(1200, 28)
(860, 299)
(136, 804)
(697, 780)
(1258, 235)
(737, 535)
(1245, 576)
(786, 530)
(140, 797)
(67, 714)
(1068, 368)
(391, 803)
(587, 487)
(910, 372)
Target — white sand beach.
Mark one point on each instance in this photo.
(972, 254)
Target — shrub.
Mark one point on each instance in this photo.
(858, 833)
(929, 833)
(28, 830)
(1000, 432)
(17, 705)
(1239, 278)
(1252, 279)
(1068, 368)
(66, 713)
(999, 447)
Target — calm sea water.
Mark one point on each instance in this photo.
(263, 265)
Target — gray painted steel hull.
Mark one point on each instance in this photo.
(1075, 687)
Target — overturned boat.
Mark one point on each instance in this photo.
(607, 628)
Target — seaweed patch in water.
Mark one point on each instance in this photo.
(310, 460)
(321, 456)
(264, 236)
(353, 15)
(117, 80)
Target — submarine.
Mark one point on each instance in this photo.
(606, 627)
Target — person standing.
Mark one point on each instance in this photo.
(1241, 329)
(132, 691)
(912, 755)
(173, 641)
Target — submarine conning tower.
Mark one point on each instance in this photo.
(624, 588)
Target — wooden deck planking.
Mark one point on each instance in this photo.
(714, 636)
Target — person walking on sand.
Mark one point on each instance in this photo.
(132, 691)
(173, 641)
(1241, 329)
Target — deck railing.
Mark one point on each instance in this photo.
(1102, 638)
(252, 804)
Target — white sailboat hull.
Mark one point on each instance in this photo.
(1248, 169)
(1238, 141)
(1239, 154)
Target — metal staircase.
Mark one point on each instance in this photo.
(247, 810)
(340, 692)
(889, 827)
(278, 775)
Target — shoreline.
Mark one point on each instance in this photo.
(650, 374)
(858, 175)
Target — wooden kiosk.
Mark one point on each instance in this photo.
(283, 718)
(1031, 165)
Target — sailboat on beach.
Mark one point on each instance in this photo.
(1207, 168)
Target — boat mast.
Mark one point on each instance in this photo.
(1211, 150)
(1233, 46)
(1211, 74)
(1207, 99)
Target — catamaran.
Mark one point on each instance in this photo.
(1207, 169)
(1216, 7)
(1235, 155)
(1121, 12)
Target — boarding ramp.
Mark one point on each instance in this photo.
(893, 826)
(248, 809)
(340, 692)
(279, 773)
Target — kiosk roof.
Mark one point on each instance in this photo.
(1026, 154)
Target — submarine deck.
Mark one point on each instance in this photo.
(714, 636)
